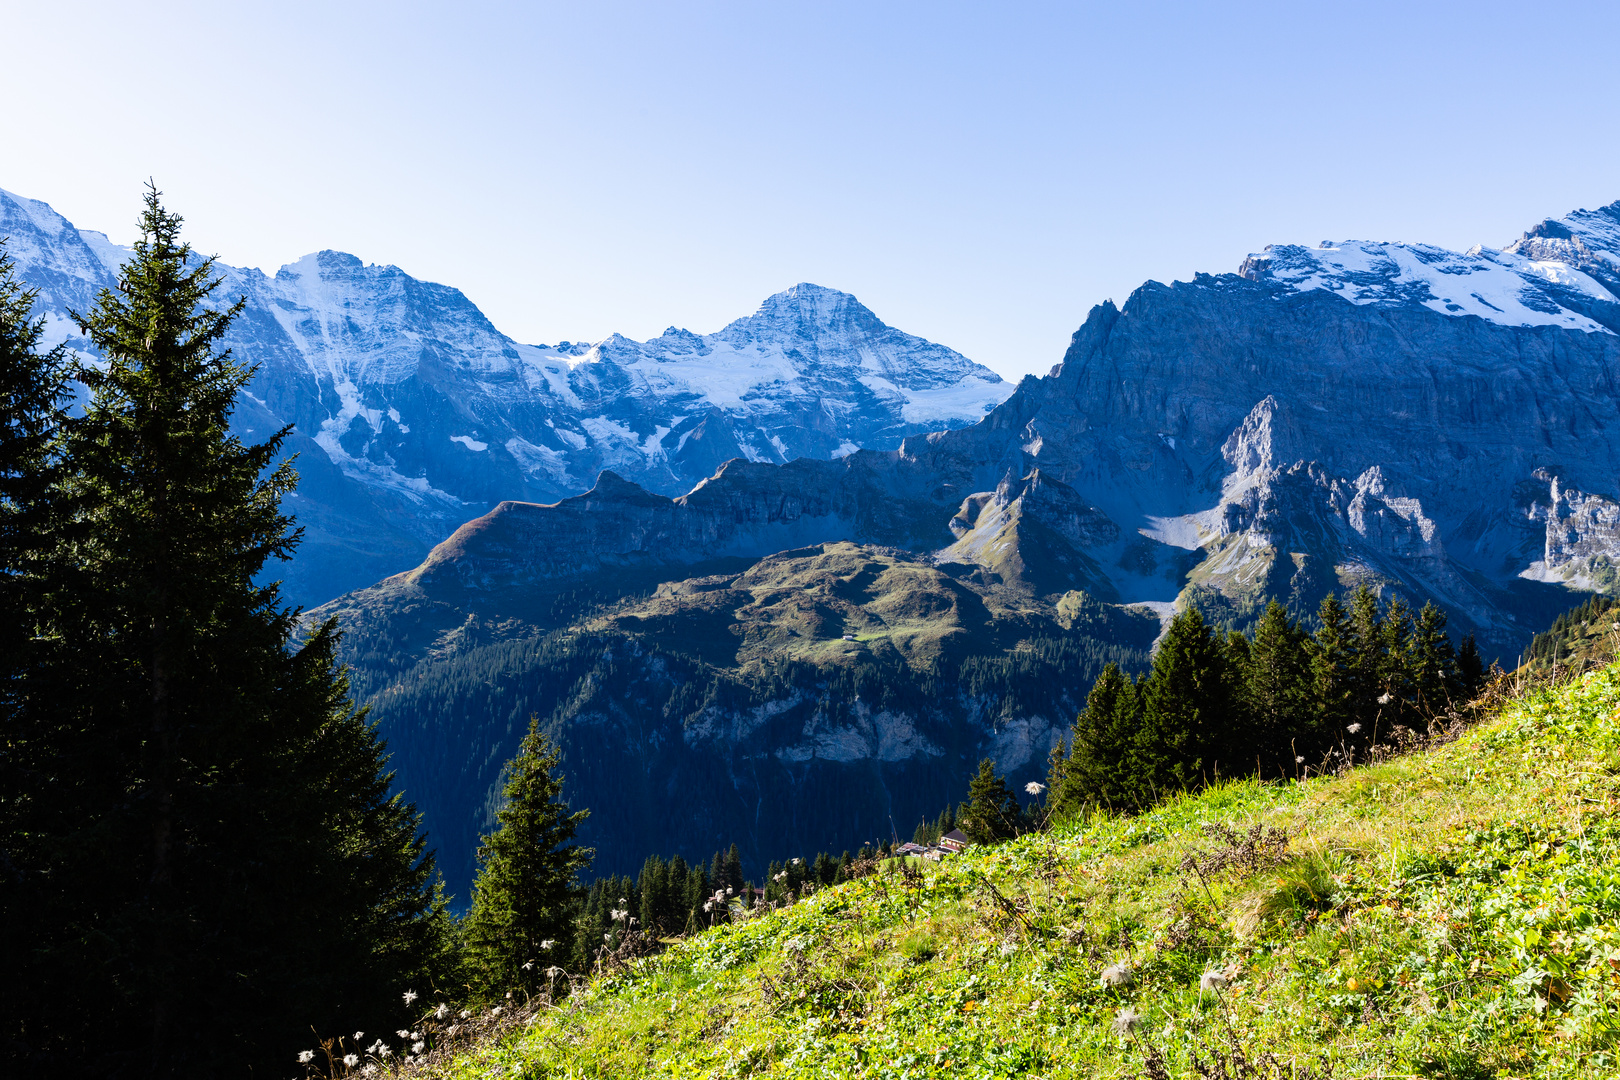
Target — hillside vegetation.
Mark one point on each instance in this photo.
(1454, 912)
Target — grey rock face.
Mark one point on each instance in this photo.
(412, 413)
(1284, 433)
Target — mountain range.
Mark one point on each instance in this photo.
(805, 654)
(817, 653)
(412, 413)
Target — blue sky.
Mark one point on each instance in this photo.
(980, 174)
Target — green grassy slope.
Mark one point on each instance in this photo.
(1451, 913)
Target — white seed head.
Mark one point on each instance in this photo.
(1298, 760)
(1354, 729)
(1034, 787)
(418, 1047)
(410, 996)
(350, 1060)
(1127, 1021)
(1386, 699)
(359, 1035)
(1117, 976)
(305, 1057)
(547, 944)
(1213, 980)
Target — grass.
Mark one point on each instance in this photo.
(1453, 913)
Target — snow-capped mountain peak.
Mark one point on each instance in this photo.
(412, 412)
(1564, 272)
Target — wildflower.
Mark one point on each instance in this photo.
(350, 1061)
(383, 1051)
(306, 1057)
(553, 972)
(728, 890)
(359, 1035)
(410, 996)
(441, 1012)
(708, 906)
(622, 900)
(1127, 1021)
(418, 1047)
(1386, 699)
(1213, 980)
(1034, 787)
(1298, 760)
(545, 946)
(402, 1033)
(1118, 975)
(1354, 729)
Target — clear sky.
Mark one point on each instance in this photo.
(977, 173)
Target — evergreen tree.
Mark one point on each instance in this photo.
(1188, 711)
(733, 870)
(1433, 661)
(1276, 691)
(1470, 678)
(1100, 769)
(528, 875)
(219, 864)
(993, 812)
(1366, 657)
(32, 392)
(1333, 678)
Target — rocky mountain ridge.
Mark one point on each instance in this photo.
(1218, 442)
(413, 413)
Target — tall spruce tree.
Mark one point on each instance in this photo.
(1100, 769)
(220, 863)
(1276, 691)
(1333, 676)
(1189, 722)
(993, 812)
(33, 389)
(528, 876)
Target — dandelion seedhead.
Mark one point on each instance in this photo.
(1127, 1021)
(1034, 787)
(1354, 729)
(1117, 976)
(306, 1057)
(1213, 980)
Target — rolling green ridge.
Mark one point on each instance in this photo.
(1450, 913)
(682, 707)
